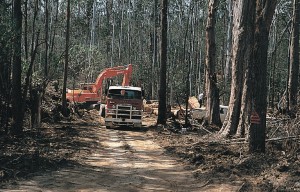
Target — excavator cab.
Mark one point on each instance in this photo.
(86, 86)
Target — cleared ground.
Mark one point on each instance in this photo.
(81, 155)
(122, 160)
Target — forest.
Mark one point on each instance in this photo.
(241, 54)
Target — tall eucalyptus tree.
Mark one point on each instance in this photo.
(5, 67)
(64, 101)
(243, 23)
(212, 90)
(162, 108)
(294, 59)
(228, 41)
(17, 70)
(257, 130)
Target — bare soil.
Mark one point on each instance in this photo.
(78, 154)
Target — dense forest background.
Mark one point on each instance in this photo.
(101, 34)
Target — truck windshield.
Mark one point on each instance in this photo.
(124, 94)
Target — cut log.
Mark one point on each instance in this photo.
(155, 111)
(193, 103)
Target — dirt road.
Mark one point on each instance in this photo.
(122, 160)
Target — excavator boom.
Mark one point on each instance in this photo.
(112, 72)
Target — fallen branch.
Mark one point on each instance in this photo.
(238, 142)
(201, 127)
(275, 131)
(205, 184)
(297, 137)
(241, 188)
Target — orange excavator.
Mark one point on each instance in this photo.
(91, 93)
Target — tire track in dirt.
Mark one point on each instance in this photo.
(127, 160)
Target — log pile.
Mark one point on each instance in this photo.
(151, 107)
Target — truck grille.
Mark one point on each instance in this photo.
(125, 112)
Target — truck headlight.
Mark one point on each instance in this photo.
(110, 111)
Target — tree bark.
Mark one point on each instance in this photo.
(228, 41)
(243, 18)
(17, 70)
(212, 90)
(294, 60)
(46, 40)
(264, 14)
(64, 101)
(26, 49)
(109, 21)
(5, 71)
(244, 121)
(154, 49)
(162, 108)
(36, 101)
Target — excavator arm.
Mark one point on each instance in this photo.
(112, 72)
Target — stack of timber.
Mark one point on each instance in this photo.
(151, 107)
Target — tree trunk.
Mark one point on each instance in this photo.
(294, 60)
(52, 43)
(186, 60)
(242, 129)
(5, 70)
(154, 49)
(36, 101)
(121, 32)
(112, 41)
(243, 18)
(264, 14)
(228, 41)
(109, 7)
(162, 108)
(46, 39)
(129, 27)
(64, 101)
(17, 103)
(26, 49)
(212, 90)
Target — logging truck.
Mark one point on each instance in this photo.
(124, 106)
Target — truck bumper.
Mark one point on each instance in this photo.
(114, 122)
